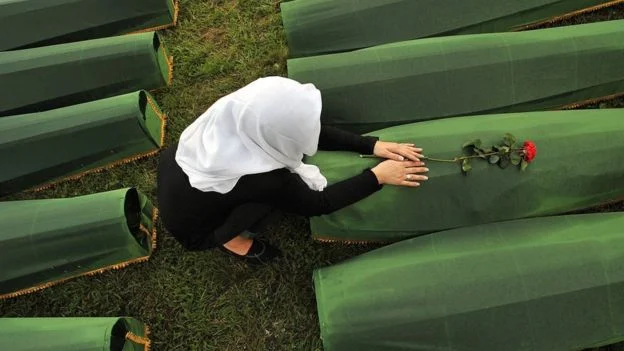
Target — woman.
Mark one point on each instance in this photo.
(242, 160)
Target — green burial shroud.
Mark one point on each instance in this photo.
(545, 284)
(578, 165)
(32, 23)
(46, 147)
(315, 27)
(45, 242)
(39, 79)
(73, 334)
(434, 78)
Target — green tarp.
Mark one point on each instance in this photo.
(426, 79)
(315, 27)
(73, 334)
(578, 165)
(34, 80)
(546, 284)
(44, 242)
(31, 23)
(48, 146)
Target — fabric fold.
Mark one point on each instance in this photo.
(578, 165)
(36, 23)
(316, 27)
(40, 79)
(47, 242)
(40, 149)
(74, 334)
(543, 284)
(427, 79)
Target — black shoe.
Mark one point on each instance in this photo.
(260, 252)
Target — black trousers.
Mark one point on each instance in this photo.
(252, 217)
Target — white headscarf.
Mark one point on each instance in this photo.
(269, 124)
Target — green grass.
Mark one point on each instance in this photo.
(206, 301)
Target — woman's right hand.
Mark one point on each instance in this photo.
(403, 173)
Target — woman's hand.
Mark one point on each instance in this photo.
(396, 151)
(403, 173)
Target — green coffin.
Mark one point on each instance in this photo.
(39, 79)
(45, 242)
(34, 23)
(578, 165)
(46, 147)
(546, 284)
(73, 334)
(315, 27)
(433, 78)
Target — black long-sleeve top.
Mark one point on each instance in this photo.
(187, 211)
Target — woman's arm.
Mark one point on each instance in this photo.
(288, 192)
(298, 198)
(334, 139)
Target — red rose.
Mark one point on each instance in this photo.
(529, 150)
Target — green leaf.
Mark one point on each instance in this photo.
(502, 149)
(509, 139)
(524, 165)
(466, 167)
(494, 159)
(480, 153)
(504, 162)
(516, 159)
(476, 143)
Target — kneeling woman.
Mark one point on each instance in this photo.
(242, 159)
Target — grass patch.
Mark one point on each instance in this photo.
(206, 301)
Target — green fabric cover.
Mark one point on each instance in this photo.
(47, 241)
(46, 22)
(544, 284)
(578, 165)
(433, 78)
(70, 334)
(55, 76)
(48, 146)
(315, 27)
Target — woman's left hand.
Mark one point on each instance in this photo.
(398, 152)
